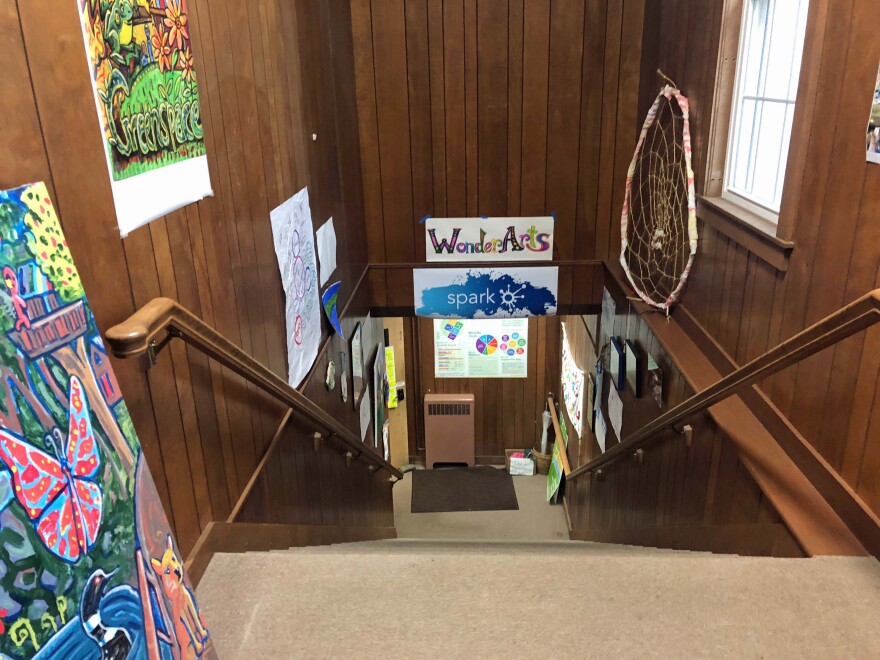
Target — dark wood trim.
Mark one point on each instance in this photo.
(864, 523)
(596, 263)
(754, 233)
(763, 539)
(255, 537)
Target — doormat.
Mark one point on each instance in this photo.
(481, 488)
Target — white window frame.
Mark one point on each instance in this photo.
(727, 191)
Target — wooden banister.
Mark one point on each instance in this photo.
(162, 319)
(843, 323)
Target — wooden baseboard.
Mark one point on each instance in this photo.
(256, 537)
(764, 539)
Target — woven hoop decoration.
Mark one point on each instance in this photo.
(651, 227)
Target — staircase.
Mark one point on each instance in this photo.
(476, 599)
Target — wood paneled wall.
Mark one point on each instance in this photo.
(508, 410)
(270, 73)
(496, 107)
(701, 497)
(830, 204)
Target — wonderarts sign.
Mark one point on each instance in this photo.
(144, 77)
(488, 239)
(475, 293)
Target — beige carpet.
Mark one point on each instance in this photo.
(420, 599)
(535, 520)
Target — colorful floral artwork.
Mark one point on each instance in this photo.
(85, 542)
(142, 66)
(572, 386)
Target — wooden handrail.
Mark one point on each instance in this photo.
(162, 319)
(843, 323)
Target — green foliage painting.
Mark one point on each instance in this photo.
(88, 566)
(140, 54)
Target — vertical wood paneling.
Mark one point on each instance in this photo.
(269, 73)
(500, 107)
(828, 211)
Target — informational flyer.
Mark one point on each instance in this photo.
(481, 348)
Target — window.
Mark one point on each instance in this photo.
(762, 108)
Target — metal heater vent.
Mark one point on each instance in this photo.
(449, 409)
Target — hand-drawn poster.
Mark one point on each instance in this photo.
(295, 249)
(484, 293)
(144, 77)
(572, 386)
(88, 566)
(489, 239)
(873, 138)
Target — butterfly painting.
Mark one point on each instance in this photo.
(59, 493)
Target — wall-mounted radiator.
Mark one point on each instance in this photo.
(449, 429)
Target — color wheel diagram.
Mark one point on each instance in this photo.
(486, 345)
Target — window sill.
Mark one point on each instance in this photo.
(750, 230)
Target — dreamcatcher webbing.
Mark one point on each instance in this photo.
(657, 246)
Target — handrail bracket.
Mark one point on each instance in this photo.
(154, 347)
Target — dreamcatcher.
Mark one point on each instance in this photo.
(659, 221)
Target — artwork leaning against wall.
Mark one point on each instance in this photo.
(88, 565)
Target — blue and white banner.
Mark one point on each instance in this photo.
(485, 293)
(489, 239)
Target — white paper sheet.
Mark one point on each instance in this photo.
(572, 386)
(365, 414)
(295, 248)
(601, 429)
(615, 411)
(326, 250)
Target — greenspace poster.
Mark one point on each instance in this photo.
(554, 475)
(143, 71)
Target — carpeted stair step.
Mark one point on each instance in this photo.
(478, 605)
(464, 547)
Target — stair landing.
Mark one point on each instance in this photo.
(416, 598)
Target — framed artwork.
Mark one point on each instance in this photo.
(617, 364)
(357, 367)
(655, 381)
(635, 366)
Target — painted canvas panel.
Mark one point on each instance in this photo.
(485, 293)
(144, 77)
(88, 565)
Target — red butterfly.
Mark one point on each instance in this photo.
(59, 495)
